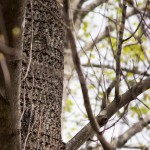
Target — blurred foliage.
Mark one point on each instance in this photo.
(98, 79)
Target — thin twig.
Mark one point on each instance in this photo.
(106, 94)
(142, 17)
(120, 117)
(145, 73)
(104, 34)
(109, 38)
(143, 104)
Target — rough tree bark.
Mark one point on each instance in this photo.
(12, 13)
(42, 85)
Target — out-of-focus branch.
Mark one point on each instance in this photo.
(136, 147)
(125, 147)
(119, 50)
(136, 128)
(83, 12)
(84, 134)
(106, 94)
(136, 11)
(105, 33)
(99, 38)
(8, 51)
(79, 5)
(91, 6)
(76, 60)
(5, 53)
(134, 71)
(142, 18)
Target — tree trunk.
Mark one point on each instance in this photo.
(42, 85)
(12, 15)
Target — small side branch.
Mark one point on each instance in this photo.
(106, 94)
(80, 14)
(134, 71)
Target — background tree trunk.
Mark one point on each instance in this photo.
(12, 15)
(42, 85)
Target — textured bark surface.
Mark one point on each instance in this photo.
(9, 100)
(43, 87)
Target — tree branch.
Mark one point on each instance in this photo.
(76, 60)
(137, 127)
(134, 71)
(106, 94)
(105, 33)
(83, 12)
(84, 134)
(8, 51)
(119, 50)
(79, 5)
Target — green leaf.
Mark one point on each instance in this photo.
(69, 102)
(135, 111)
(69, 105)
(85, 26)
(133, 51)
(91, 86)
(144, 110)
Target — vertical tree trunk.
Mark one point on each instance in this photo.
(42, 85)
(13, 15)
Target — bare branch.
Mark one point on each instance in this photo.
(137, 127)
(142, 17)
(83, 12)
(136, 147)
(79, 5)
(84, 134)
(119, 49)
(5, 53)
(105, 33)
(106, 94)
(76, 60)
(134, 71)
(8, 51)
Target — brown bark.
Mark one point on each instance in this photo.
(42, 88)
(13, 15)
